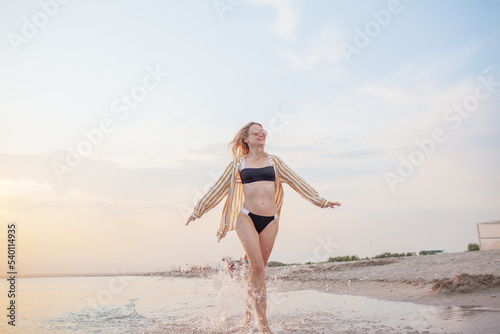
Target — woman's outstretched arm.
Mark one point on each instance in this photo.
(214, 195)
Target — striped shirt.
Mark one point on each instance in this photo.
(230, 184)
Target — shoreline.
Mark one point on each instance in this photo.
(447, 279)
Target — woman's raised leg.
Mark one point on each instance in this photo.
(258, 248)
(267, 238)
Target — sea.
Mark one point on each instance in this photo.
(164, 304)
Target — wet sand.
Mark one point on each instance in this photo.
(454, 279)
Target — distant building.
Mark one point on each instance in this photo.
(488, 234)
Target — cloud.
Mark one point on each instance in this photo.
(431, 68)
(388, 95)
(490, 68)
(324, 47)
(97, 176)
(287, 17)
(17, 205)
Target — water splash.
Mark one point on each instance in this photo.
(97, 319)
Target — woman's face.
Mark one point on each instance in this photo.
(256, 135)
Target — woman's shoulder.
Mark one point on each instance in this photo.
(273, 157)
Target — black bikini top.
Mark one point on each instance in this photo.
(249, 175)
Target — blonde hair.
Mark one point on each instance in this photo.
(237, 146)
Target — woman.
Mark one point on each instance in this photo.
(256, 177)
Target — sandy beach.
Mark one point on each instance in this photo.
(456, 293)
(454, 279)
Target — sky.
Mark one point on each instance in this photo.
(115, 120)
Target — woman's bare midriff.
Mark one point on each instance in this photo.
(260, 198)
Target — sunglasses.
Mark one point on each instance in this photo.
(257, 132)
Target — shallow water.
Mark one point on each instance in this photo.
(134, 304)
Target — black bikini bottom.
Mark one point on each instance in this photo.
(260, 222)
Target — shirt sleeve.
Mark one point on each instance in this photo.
(299, 184)
(215, 194)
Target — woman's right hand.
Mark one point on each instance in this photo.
(191, 218)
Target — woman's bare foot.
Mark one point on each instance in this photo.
(247, 318)
(264, 329)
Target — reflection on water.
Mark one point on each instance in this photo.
(465, 312)
(192, 305)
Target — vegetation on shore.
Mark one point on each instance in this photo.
(280, 264)
(347, 258)
(473, 247)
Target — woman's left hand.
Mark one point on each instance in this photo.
(332, 205)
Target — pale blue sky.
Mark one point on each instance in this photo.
(350, 121)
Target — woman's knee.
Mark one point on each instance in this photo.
(257, 267)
